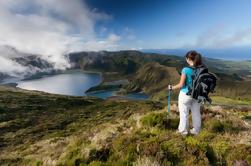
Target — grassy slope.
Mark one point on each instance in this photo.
(229, 67)
(152, 78)
(28, 118)
(43, 129)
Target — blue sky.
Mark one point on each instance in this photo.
(62, 26)
(176, 23)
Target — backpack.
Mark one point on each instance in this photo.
(203, 83)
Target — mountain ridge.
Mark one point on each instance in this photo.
(120, 65)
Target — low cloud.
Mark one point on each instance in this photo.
(10, 67)
(129, 34)
(220, 36)
(50, 29)
(236, 39)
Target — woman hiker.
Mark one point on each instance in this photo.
(186, 102)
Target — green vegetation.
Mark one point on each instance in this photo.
(238, 90)
(160, 120)
(230, 101)
(103, 87)
(152, 78)
(219, 126)
(241, 68)
(43, 129)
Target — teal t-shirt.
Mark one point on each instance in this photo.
(188, 72)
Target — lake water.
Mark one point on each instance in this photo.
(74, 83)
(112, 93)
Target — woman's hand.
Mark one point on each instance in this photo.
(170, 87)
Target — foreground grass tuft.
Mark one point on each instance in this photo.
(160, 120)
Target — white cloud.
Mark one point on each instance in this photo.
(129, 34)
(222, 36)
(113, 38)
(51, 28)
(110, 43)
(10, 67)
(238, 38)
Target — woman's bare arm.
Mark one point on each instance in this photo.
(181, 83)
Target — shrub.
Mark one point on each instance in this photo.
(221, 149)
(95, 163)
(1, 110)
(239, 152)
(173, 149)
(195, 144)
(150, 147)
(232, 126)
(218, 126)
(145, 134)
(38, 163)
(154, 119)
(99, 155)
(72, 158)
(205, 135)
(160, 120)
(124, 150)
(200, 150)
(146, 161)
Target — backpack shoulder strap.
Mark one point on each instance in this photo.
(200, 70)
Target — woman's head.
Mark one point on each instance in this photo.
(193, 58)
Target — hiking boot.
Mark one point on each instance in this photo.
(193, 132)
(184, 133)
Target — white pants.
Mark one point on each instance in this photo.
(187, 103)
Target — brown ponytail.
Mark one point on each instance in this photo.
(195, 57)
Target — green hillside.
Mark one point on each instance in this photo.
(126, 62)
(151, 73)
(152, 78)
(43, 129)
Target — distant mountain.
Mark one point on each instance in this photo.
(236, 53)
(123, 62)
(33, 61)
(3, 76)
(128, 62)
